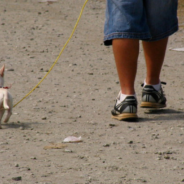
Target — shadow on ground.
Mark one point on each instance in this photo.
(163, 111)
(21, 125)
(163, 114)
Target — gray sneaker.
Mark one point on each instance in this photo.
(152, 98)
(126, 110)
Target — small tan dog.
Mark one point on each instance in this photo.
(6, 100)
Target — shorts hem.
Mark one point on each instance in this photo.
(127, 35)
(140, 36)
(163, 35)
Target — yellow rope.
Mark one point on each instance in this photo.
(58, 55)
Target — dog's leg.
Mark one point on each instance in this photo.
(5, 100)
(9, 113)
(1, 115)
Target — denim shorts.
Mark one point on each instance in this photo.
(147, 20)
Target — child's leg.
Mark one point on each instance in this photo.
(126, 53)
(152, 94)
(154, 55)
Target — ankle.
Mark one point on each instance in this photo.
(123, 96)
(156, 86)
(152, 81)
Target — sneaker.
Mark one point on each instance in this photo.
(125, 110)
(152, 98)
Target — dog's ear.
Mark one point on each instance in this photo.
(2, 70)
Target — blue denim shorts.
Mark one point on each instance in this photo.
(147, 20)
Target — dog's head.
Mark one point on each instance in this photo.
(2, 76)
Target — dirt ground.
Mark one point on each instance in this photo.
(76, 99)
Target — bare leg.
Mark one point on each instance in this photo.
(154, 54)
(126, 53)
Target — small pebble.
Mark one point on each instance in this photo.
(106, 145)
(167, 157)
(112, 125)
(68, 151)
(33, 158)
(11, 69)
(18, 178)
(21, 128)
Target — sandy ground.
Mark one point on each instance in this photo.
(76, 99)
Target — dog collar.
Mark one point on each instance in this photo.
(6, 87)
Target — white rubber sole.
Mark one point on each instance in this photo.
(126, 116)
(152, 105)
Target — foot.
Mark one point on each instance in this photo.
(151, 98)
(125, 110)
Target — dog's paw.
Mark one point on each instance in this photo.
(0, 127)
